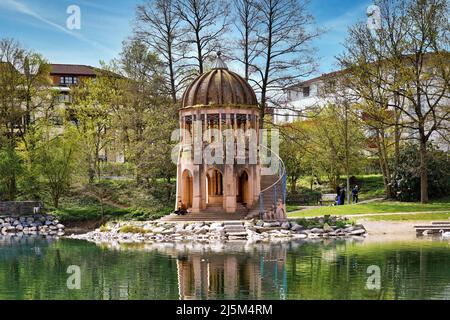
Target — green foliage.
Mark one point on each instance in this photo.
(56, 160)
(407, 181)
(132, 229)
(11, 167)
(309, 223)
(340, 224)
(144, 214)
(104, 228)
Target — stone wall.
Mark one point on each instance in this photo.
(18, 208)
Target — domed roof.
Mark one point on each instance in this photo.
(219, 87)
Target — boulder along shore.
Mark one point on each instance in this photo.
(252, 230)
(42, 224)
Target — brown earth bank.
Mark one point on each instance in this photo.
(79, 227)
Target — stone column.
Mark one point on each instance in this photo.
(229, 195)
(197, 189)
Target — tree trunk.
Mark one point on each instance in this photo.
(384, 157)
(294, 184)
(199, 52)
(172, 76)
(56, 201)
(347, 154)
(382, 168)
(423, 171)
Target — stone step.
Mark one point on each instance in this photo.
(205, 217)
(227, 231)
(236, 234)
(233, 223)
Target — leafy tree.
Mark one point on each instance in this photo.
(338, 141)
(293, 151)
(57, 162)
(406, 60)
(148, 115)
(95, 101)
(11, 167)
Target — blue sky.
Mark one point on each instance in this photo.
(41, 25)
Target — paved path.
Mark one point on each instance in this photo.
(370, 214)
(391, 213)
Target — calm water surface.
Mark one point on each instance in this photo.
(33, 268)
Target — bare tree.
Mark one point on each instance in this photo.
(246, 24)
(204, 23)
(284, 55)
(158, 26)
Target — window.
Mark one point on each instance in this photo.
(286, 117)
(68, 80)
(306, 91)
(65, 98)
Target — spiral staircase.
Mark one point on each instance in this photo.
(273, 186)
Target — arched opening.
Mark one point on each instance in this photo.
(242, 190)
(214, 187)
(187, 189)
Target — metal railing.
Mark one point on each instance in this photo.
(272, 190)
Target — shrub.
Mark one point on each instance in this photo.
(132, 229)
(407, 181)
(11, 167)
(104, 228)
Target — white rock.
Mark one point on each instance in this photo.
(300, 235)
(357, 232)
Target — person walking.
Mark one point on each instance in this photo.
(338, 195)
(342, 195)
(355, 193)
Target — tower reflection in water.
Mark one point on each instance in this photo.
(225, 276)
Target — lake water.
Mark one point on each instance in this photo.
(36, 268)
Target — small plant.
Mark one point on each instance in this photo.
(340, 224)
(132, 229)
(104, 228)
(309, 223)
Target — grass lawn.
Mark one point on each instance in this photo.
(373, 207)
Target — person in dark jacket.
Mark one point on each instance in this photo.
(342, 195)
(338, 195)
(355, 193)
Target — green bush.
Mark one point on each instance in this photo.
(132, 229)
(407, 181)
(11, 167)
(141, 214)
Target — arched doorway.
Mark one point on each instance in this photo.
(187, 189)
(214, 187)
(243, 192)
